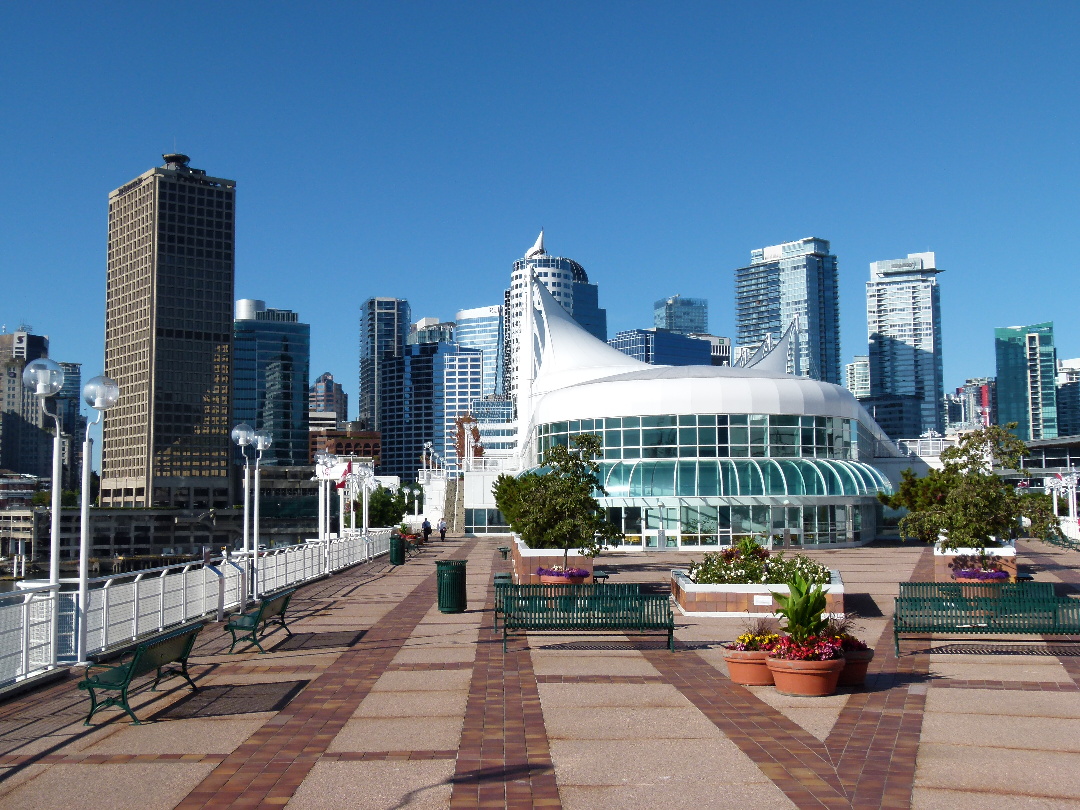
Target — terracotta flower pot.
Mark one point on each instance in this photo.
(805, 678)
(748, 667)
(855, 664)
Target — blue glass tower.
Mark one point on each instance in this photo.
(684, 316)
(482, 328)
(272, 351)
(1026, 380)
(663, 348)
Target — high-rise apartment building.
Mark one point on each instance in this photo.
(25, 442)
(482, 328)
(857, 376)
(327, 396)
(1026, 384)
(684, 316)
(73, 424)
(430, 330)
(168, 338)
(785, 282)
(903, 319)
(568, 284)
(384, 328)
(271, 356)
(662, 348)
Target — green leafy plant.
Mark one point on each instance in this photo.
(802, 609)
(557, 508)
(966, 504)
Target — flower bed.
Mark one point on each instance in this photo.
(526, 561)
(722, 601)
(996, 564)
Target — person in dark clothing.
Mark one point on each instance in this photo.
(426, 526)
(442, 529)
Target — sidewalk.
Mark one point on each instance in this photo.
(380, 701)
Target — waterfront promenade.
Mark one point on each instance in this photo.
(380, 701)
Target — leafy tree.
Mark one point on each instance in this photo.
(385, 508)
(556, 508)
(966, 503)
(43, 497)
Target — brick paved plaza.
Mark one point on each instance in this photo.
(380, 701)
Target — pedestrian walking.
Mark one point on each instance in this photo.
(426, 527)
(442, 528)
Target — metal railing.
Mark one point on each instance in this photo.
(124, 607)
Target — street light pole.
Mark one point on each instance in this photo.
(45, 378)
(100, 393)
(243, 435)
(262, 440)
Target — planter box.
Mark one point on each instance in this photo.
(724, 601)
(526, 560)
(1006, 555)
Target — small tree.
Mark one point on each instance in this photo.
(385, 508)
(557, 508)
(966, 503)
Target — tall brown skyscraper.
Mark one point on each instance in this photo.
(168, 338)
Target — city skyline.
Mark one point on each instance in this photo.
(665, 184)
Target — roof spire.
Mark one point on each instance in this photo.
(538, 248)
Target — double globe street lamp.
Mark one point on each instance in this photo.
(245, 436)
(45, 378)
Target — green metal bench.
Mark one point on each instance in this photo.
(152, 655)
(949, 590)
(505, 551)
(503, 585)
(253, 624)
(986, 615)
(584, 608)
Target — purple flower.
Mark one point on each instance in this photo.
(559, 571)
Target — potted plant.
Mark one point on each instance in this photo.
(857, 654)
(807, 661)
(746, 657)
(556, 507)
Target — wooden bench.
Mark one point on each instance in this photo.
(584, 608)
(1003, 613)
(152, 655)
(253, 624)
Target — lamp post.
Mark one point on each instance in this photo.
(262, 440)
(100, 393)
(244, 435)
(45, 378)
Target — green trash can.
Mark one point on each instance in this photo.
(450, 575)
(397, 550)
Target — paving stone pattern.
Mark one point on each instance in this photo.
(379, 700)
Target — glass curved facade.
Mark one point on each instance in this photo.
(691, 480)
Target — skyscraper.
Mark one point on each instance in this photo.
(482, 328)
(168, 338)
(684, 316)
(782, 282)
(25, 444)
(568, 284)
(857, 376)
(271, 355)
(384, 327)
(1068, 397)
(1026, 390)
(327, 396)
(903, 321)
(663, 348)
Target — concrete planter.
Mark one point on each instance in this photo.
(526, 560)
(728, 601)
(748, 667)
(856, 663)
(806, 678)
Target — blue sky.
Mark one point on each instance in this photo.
(416, 149)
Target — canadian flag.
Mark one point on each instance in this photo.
(344, 475)
(1058, 476)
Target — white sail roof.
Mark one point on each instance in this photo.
(538, 248)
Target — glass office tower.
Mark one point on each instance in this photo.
(1026, 372)
(384, 329)
(684, 316)
(482, 328)
(662, 348)
(782, 282)
(271, 356)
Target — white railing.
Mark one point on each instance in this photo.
(124, 607)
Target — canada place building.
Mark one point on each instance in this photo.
(168, 338)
